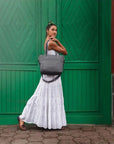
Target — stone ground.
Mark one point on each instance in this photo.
(73, 134)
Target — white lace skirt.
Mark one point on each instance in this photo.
(46, 106)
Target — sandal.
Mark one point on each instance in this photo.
(22, 127)
(63, 128)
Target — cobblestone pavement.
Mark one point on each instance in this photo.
(73, 134)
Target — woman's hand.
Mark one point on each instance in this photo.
(54, 39)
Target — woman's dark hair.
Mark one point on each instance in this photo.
(50, 23)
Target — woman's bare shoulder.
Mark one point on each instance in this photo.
(52, 44)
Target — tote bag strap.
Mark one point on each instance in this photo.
(57, 75)
(52, 79)
(47, 47)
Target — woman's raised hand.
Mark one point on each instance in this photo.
(54, 39)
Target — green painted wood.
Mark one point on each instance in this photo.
(105, 59)
(87, 77)
(84, 28)
(18, 29)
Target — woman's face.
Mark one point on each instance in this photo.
(52, 32)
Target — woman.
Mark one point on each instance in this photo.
(46, 106)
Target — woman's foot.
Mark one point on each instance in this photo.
(63, 128)
(21, 124)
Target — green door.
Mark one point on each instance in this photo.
(84, 29)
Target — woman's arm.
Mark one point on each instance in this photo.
(59, 48)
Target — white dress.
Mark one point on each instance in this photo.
(46, 106)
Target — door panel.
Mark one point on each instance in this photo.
(18, 34)
(79, 20)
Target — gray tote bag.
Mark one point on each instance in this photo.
(51, 64)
